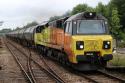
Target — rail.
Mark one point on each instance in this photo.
(50, 72)
(20, 65)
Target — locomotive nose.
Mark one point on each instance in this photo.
(92, 45)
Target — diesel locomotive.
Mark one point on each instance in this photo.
(81, 41)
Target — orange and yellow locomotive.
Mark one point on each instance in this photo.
(81, 41)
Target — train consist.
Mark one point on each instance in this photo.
(81, 41)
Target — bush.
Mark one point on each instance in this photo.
(118, 60)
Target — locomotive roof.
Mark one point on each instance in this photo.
(60, 19)
(44, 23)
(82, 16)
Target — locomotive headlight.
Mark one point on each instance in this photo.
(79, 45)
(90, 14)
(106, 44)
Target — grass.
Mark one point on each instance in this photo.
(118, 60)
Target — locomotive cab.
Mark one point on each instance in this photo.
(87, 39)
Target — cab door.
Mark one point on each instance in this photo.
(68, 38)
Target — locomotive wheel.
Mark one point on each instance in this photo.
(37, 48)
(67, 61)
(59, 57)
(49, 53)
(42, 51)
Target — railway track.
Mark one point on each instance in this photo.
(46, 68)
(47, 65)
(27, 76)
(111, 76)
(120, 69)
(101, 77)
(97, 77)
(30, 69)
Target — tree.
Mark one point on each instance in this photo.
(120, 4)
(81, 8)
(115, 23)
(68, 13)
(17, 28)
(5, 30)
(54, 18)
(102, 9)
(108, 12)
(30, 24)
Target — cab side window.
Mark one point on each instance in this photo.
(69, 28)
(59, 24)
(42, 28)
(38, 30)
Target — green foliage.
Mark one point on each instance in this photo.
(101, 8)
(68, 13)
(5, 30)
(120, 4)
(27, 26)
(30, 24)
(122, 35)
(118, 60)
(111, 12)
(115, 23)
(18, 28)
(54, 18)
(81, 8)
(104, 10)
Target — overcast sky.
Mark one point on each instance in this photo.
(16, 13)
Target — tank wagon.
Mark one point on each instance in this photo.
(81, 41)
